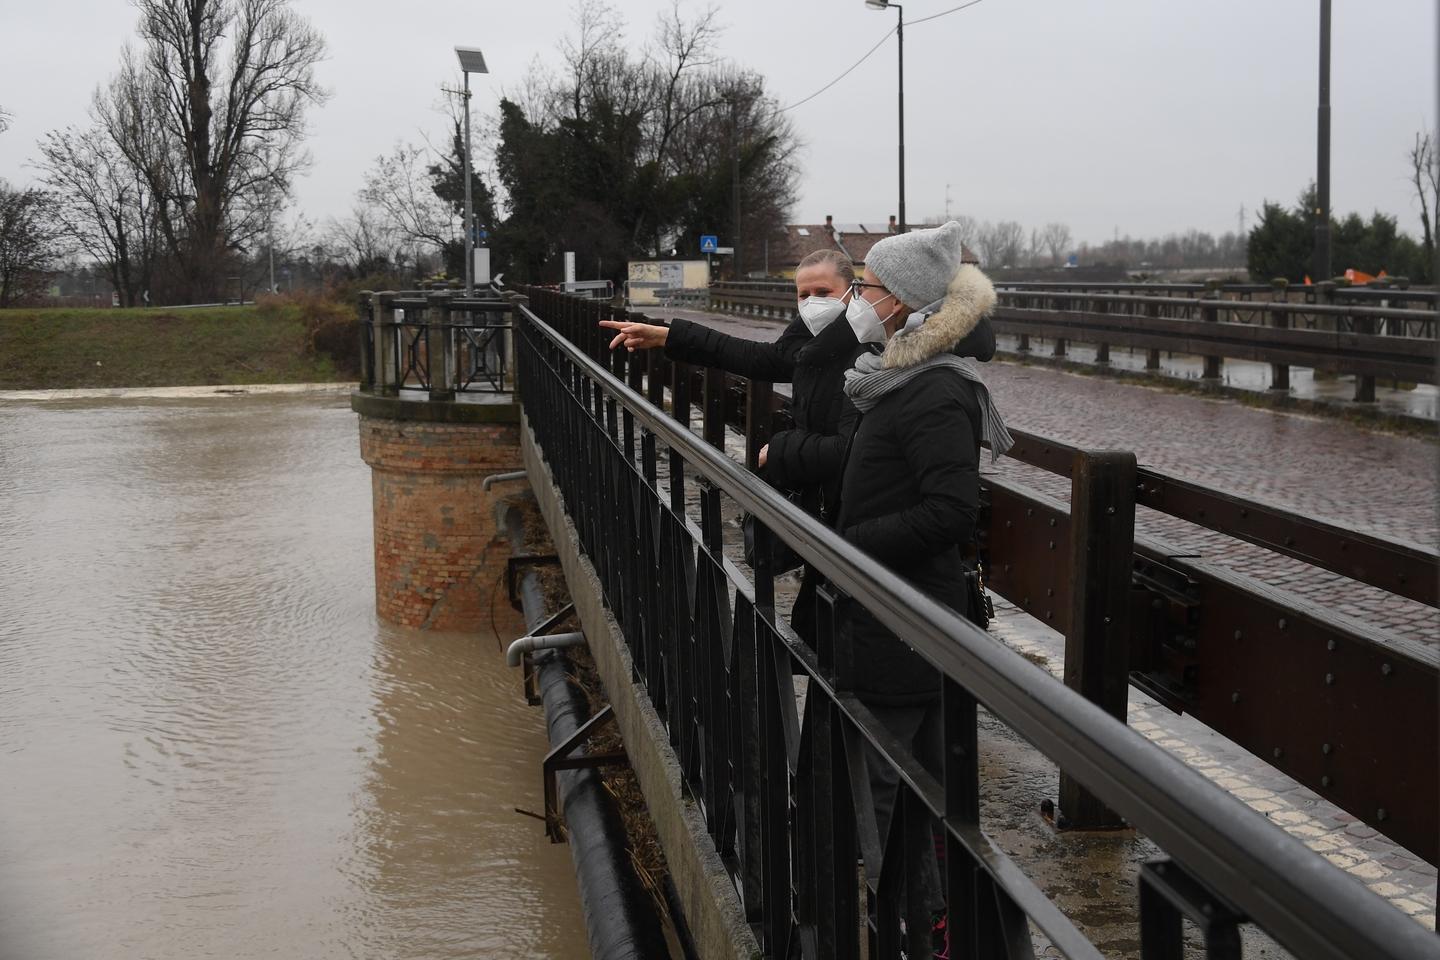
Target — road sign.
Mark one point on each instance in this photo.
(709, 243)
(723, 250)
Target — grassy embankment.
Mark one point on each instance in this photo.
(275, 342)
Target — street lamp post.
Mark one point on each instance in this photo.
(1321, 264)
(900, 46)
(471, 61)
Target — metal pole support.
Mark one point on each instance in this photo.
(1097, 649)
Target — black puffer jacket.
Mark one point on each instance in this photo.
(808, 459)
(911, 491)
(813, 454)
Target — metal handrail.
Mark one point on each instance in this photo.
(1299, 899)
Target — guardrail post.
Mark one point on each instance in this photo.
(1059, 348)
(1364, 382)
(364, 314)
(1102, 349)
(1280, 319)
(1097, 648)
(440, 346)
(387, 345)
(1152, 356)
(1209, 313)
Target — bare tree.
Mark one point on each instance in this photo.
(1425, 178)
(1036, 247)
(228, 83)
(4, 120)
(362, 241)
(29, 243)
(1057, 241)
(1001, 244)
(398, 188)
(105, 204)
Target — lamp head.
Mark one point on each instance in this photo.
(471, 60)
(876, 4)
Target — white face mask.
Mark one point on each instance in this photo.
(819, 312)
(866, 323)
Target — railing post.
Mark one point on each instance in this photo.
(1152, 356)
(1059, 349)
(1280, 319)
(1364, 382)
(365, 315)
(387, 345)
(1209, 313)
(1102, 349)
(440, 346)
(758, 425)
(1102, 545)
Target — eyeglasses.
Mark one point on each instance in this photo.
(857, 285)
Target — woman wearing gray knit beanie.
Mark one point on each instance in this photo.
(910, 491)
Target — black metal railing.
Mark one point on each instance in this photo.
(785, 797)
(441, 343)
(1358, 332)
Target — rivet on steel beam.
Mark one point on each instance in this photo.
(1244, 512)
(1029, 511)
(1330, 645)
(1381, 815)
(1289, 541)
(1386, 669)
(1052, 544)
(1325, 781)
(1325, 748)
(1052, 521)
(1159, 868)
(1282, 624)
(1329, 679)
(1208, 909)
(1009, 524)
(1048, 613)
(1278, 753)
(1238, 634)
(1049, 591)
(1156, 604)
(1107, 619)
(1110, 510)
(1235, 697)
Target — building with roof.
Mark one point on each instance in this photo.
(799, 240)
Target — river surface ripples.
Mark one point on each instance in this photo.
(209, 747)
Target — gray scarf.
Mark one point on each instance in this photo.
(868, 381)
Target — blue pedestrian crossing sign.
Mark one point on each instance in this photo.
(709, 243)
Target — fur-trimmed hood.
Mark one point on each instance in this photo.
(968, 297)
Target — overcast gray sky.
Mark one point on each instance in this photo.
(1149, 116)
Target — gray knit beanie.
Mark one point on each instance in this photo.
(919, 265)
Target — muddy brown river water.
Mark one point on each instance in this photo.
(209, 747)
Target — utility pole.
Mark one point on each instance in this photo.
(735, 182)
(900, 44)
(1321, 264)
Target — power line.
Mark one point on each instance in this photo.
(942, 13)
(888, 33)
(842, 76)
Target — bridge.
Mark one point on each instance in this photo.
(1132, 597)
